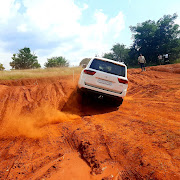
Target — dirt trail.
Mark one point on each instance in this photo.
(46, 132)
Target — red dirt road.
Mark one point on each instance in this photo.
(46, 132)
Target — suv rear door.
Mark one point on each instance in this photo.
(106, 76)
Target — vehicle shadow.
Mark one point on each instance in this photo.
(87, 105)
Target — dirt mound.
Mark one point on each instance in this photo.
(47, 132)
(32, 103)
(167, 68)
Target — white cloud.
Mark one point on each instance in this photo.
(5, 58)
(117, 24)
(47, 13)
(93, 39)
(22, 28)
(85, 6)
(8, 9)
(56, 23)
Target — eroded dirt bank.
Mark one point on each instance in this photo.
(47, 133)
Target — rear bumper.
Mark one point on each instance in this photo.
(97, 93)
(100, 91)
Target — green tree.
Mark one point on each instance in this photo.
(1, 67)
(84, 61)
(56, 62)
(152, 38)
(24, 60)
(145, 38)
(108, 56)
(176, 51)
(133, 56)
(167, 33)
(119, 53)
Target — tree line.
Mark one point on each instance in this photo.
(150, 39)
(25, 59)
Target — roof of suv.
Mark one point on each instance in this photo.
(109, 60)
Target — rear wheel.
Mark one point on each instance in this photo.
(79, 91)
(85, 97)
(118, 102)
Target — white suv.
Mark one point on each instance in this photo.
(106, 78)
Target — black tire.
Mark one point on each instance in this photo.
(78, 91)
(85, 99)
(118, 102)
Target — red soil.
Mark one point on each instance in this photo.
(46, 132)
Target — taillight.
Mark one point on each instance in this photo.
(123, 81)
(89, 72)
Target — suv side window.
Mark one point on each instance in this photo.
(108, 67)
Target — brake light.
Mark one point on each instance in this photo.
(89, 72)
(123, 81)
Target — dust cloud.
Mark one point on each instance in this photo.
(33, 125)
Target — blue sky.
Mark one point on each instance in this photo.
(74, 29)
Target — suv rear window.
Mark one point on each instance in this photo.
(108, 67)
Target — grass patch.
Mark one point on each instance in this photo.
(176, 61)
(38, 73)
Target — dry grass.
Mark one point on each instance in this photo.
(37, 73)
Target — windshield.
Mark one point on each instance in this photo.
(108, 67)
